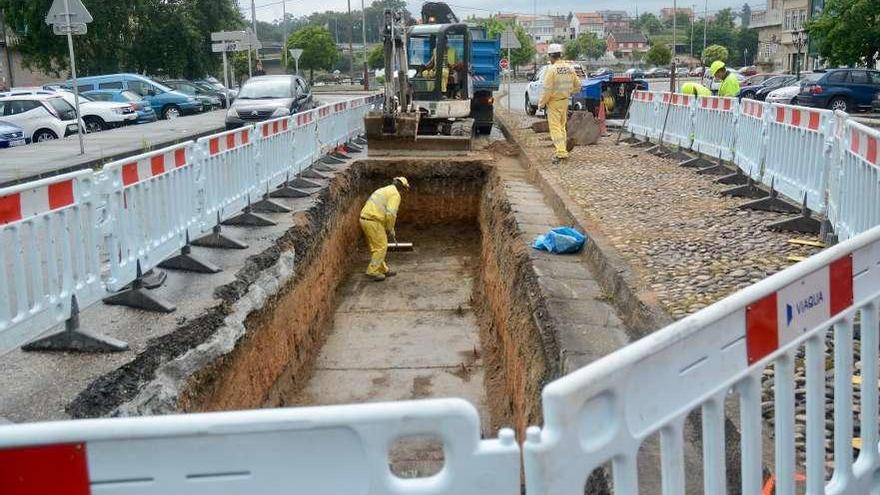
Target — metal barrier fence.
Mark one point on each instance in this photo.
(146, 209)
(604, 412)
(714, 132)
(678, 127)
(799, 144)
(326, 450)
(854, 193)
(643, 112)
(751, 138)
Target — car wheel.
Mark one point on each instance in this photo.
(44, 135)
(94, 124)
(839, 103)
(530, 109)
(170, 112)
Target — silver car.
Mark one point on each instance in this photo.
(268, 97)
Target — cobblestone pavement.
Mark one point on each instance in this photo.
(688, 245)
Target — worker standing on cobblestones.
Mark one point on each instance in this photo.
(559, 84)
(378, 217)
(729, 82)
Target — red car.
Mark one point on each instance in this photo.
(749, 70)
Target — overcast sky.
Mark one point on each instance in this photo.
(268, 10)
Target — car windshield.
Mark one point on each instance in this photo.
(777, 81)
(62, 108)
(129, 96)
(265, 88)
(205, 86)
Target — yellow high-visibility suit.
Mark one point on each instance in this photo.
(695, 89)
(560, 82)
(378, 216)
(729, 86)
(450, 61)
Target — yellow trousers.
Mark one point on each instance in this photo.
(377, 240)
(557, 118)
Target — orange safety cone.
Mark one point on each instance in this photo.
(602, 129)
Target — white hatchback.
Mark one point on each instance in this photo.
(43, 117)
(97, 115)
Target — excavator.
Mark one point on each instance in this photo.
(439, 81)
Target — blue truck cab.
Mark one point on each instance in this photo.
(486, 75)
(165, 102)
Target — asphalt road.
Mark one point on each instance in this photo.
(26, 163)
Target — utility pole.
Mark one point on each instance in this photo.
(705, 24)
(284, 34)
(364, 32)
(693, 18)
(254, 22)
(674, 44)
(350, 45)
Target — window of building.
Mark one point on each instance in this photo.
(786, 24)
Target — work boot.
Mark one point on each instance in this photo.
(556, 160)
(376, 278)
(390, 273)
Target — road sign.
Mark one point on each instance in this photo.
(296, 53)
(504, 64)
(229, 36)
(227, 46)
(509, 39)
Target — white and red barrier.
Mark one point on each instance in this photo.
(151, 199)
(326, 135)
(643, 114)
(714, 126)
(854, 195)
(229, 172)
(678, 128)
(751, 138)
(49, 253)
(275, 152)
(603, 413)
(305, 143)
(799, 145)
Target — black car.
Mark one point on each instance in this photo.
(761, 91)
(269, 97)
(211, 99)
(875, 105)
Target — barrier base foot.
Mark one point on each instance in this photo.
(217, 239)
(630, 140)
(266, 205)
(339, 155)
(658, 150)
(331, 160)
(717, 169)
(679, 156)
(247, 218)
(353, 148)
(186, 262)
(803, 223)
(745, 191)
(643, 144)
(324, 168)
(695, 162)
(286, 191)
(300, 182)
(360, 141)
(153, 279)
(74, 339)
(771, 203)
(735, 179)
(140, 298)
(311, 173)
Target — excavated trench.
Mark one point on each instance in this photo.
(456, 321)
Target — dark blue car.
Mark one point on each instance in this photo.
(145, 112)
(12, 135)
(848, 90)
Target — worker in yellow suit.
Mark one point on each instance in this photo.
(429, 73)
(695, 89)
(729, 82)
(560, 82)
(378, 217)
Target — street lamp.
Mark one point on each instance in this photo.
(799, 38)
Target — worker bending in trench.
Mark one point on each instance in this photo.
(560, 82)
(378, 217)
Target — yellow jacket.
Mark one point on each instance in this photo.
(382, 206)
(560, 82)
(729, 86)
(695, 89)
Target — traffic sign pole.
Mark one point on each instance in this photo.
(509, 77)
(226, 80)
(79, 129)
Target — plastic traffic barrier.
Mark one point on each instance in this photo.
(854, 197)
(228, 163)
(679, 123)
(714, 126)
(751, 138)
(644, 117)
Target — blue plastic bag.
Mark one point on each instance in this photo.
(560, 240)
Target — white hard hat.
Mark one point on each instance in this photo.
(554, 48)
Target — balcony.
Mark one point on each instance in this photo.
(764, 18)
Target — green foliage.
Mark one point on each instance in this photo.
(319, 50)
(571, 50)
(376, 57)
(847, 32)
(155, 37)
(659, 55)
(591, 46)
(721, 31)
(715, 52)
(648, 24)
(519, 56)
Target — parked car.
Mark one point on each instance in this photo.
(635, 73)
(751, 85)
(875, 105)
(42, 117)
(212, 82)
(657, 72)
(167, 103)
(758, 78)
(748, 71)
(848, 90)
(12, 135)
(760, 92)
(144, 111)
(535, 87)
(602, 71)
(681, 72)
(209, 101)
(97, 115)
(268, 97)
(787, 95)
(696, 72)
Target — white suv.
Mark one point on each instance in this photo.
(536, 86)
(97, 115)
(42, 117)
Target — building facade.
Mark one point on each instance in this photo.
(783, 45)
(616, 20)
(667, 13)
(587, 22)
(627, 44)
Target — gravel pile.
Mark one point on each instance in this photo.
(688, 245)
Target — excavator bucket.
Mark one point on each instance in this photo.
(398, 134)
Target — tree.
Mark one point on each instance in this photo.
(376, 57)
(519, 56)
(154, 37)
(572, 50)
(648, 23)
(591, 46)
(319, 50)
(847, 32)
(659, 55)
(713, 53)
